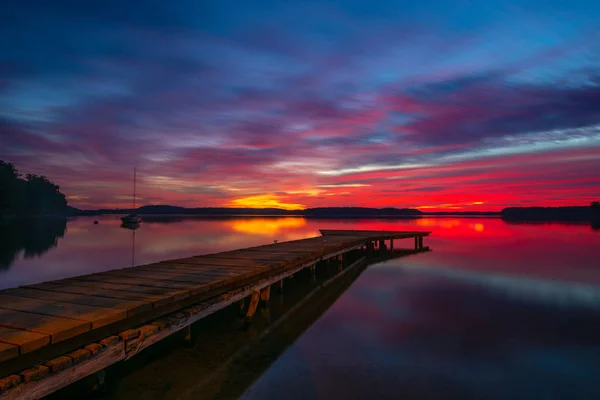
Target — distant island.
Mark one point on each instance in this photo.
(318, 212)
(333, 212)
(575, 213)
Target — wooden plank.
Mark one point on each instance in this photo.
(8, 351)
(214, 278)
(171, 276)
(282, 257)
(106, 277)
(154, 295)
(226, 268)
(268, 250)
(84, 288)
(201, 269)
(199, 283)
(27, 341)
(58, 328)
(215, 270)
(131, 307)
(128, 287)
(97, 316)
(232, 262)
(162, 295)
(375, 235)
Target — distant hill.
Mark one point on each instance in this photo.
(464, 213)
(576, 213)
(356, 212)
(170, 210)
(322, 212)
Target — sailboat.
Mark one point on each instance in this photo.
(132, 219)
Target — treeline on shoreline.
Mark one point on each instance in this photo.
(28, 194)
(318, 212)
(575, 213)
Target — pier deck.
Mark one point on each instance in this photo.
(85, 323)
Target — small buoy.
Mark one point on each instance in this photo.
(95, 222)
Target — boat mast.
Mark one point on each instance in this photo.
(134, 179)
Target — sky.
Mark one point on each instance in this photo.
(440, 105)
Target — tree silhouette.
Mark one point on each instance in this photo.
(32, 195)
(9, 187)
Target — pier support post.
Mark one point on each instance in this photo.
(254, 298)
(418, 242)
(242, 305)
(265, 295)
(281, 286)
(391, 244)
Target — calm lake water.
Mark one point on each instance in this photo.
(495, 310)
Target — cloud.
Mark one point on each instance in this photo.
(352, 104)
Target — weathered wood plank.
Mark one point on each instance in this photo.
(106, 277)
(129, 287)
(281, 257)
(97, 316)
(173, 276)
(192, 287)
(214, 279)
(132, 307)
(375, 235)
(8, 351)
(58, 328)
(38, 389)
(232, 262)
(84, 288)
(27, 341)
(215, 271)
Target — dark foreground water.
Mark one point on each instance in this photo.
(496, 310)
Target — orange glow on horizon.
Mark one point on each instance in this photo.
(264, 201)
(267, 226)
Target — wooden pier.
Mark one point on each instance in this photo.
(55, 333)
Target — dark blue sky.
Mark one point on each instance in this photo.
(443, 104)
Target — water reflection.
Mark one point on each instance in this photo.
(397, 333)
(488, 245)
(267, 226)
(132, 227)
(32, 237)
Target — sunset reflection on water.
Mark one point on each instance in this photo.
(557, 251)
